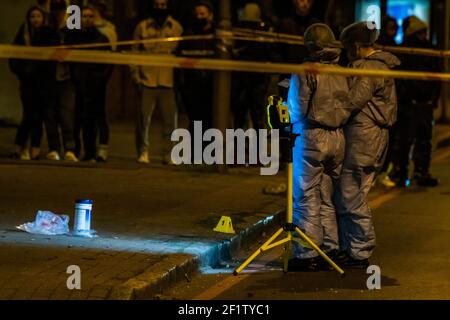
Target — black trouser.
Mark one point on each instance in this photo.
(198, 101)
(65, 101)
(51, 118)
(250, 95)
(415, 128)
(197, 95)
(91, 116)
(33, 100)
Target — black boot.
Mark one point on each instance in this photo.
(304, 265)
(347, 262)
(333, 255)
(426, 180)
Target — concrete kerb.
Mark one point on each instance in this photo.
(182, 267)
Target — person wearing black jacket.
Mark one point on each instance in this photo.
(36, 83)
(197, 85)
(387, 37)
(63, 115)
(250, 89)
(304, 15)
(418, 100)
(90, 83)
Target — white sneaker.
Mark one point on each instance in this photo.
(102, 154)
(53, 156)
(25, 155)
(144, 159)
(70, 157)
(387, 182)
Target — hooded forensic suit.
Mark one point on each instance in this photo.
(374, 105)
(316, 105)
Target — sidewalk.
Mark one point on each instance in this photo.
(142, 216)
(155, 223)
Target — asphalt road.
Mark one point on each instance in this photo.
(413, 231)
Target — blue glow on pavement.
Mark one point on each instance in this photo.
(408, 183)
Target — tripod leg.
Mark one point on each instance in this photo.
(287, 253)
(257, 252)
(323, 254)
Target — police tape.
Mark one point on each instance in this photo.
(251, 35)
(219, 36)
(298, 40)
(137, 42)
(169, 61)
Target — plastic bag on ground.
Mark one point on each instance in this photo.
(47, 223)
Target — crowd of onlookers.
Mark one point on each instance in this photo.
(69, 99)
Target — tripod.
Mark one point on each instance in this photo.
(287, 142)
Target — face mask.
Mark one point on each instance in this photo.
(160, 15)
(200, 24)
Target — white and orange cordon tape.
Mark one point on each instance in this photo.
(75, 54)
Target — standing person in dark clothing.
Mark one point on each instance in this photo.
(36, 83)
(197, 88)
(63, 115)
(251, 88)
(108, 29)
(418, 100)
(388, 33)
(297, 25)
(90, 83)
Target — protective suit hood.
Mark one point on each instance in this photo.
(387, 58)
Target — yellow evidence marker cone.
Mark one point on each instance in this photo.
(225, 225)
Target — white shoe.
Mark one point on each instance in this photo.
(102, 154)
(25, 155)
(144, 159)
(387, 182)
(70, 157)
(53, 156)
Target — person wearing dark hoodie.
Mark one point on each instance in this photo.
(303, 16)
(90, 83)
(387, 37)
(418, 100)
(63, 115)
(388, 32)
(250, 99)
(373, 102)
(318, 113)
(36, 82)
